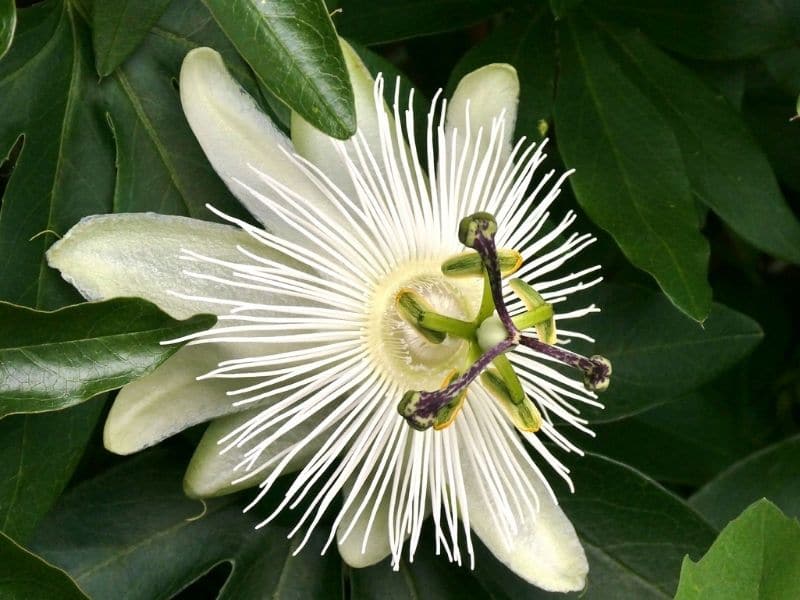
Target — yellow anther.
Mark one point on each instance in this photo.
(523, 413)
(448, 413)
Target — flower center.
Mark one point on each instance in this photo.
(405, 352)
(425, 335)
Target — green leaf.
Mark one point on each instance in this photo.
(8, 22)
(38, 454)
(529, 45)
(46, 83)
(630, 177)
(685, 442)
(52, 360)
(118, 27)
(657, 353)
(372, 22)
(561, 8)
(84, 147)
(635, 534)
(632, 526)
(757, 556)
(160, 165)
(728, 171)
(156, 537)
(25, 575)
(710, 29)
(773, 473)
(428, 576)
(293, 48)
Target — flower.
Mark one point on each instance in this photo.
(356, 311)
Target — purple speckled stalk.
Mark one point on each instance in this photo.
(595, 371)
(487, 250)
(430, 403)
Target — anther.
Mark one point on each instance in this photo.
(539, 314)
(470, 264)
(412, 308)
(523, 412)
(416, 311)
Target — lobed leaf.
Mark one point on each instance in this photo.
(25, 575)
(756, 556)
(118, 27)
(38, 455)
(8, 23)
(155, 541)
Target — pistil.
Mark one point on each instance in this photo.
(438, 408)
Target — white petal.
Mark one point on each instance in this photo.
(545, 551)
(377, 547)
(108, 256)
(212, 474)
(489, 92)
(319, 148)
(235, 136)
(169, 399)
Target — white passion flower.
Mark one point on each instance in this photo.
(369, 338)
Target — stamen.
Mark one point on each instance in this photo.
(416, 311)
(495, 335)
(470, 264)
(539, 314)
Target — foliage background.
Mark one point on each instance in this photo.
(676, 117)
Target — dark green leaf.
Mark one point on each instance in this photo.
(756, 556)
(66, 166)
(381, 21)
(635, 531)
(52, 360)
(155, 541)
(773, 473)
(684, 442)
(561, 8)
(630, 177)
(161, 167)
(118, 27)
(293, 48)
(38, 454)
(728, 171)
(768, 116)
(8, 22)
(658, 354)
(529, 45)
(64, 120)
(635, 534)
(428, 576)
(710, 29)
(23, 575)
